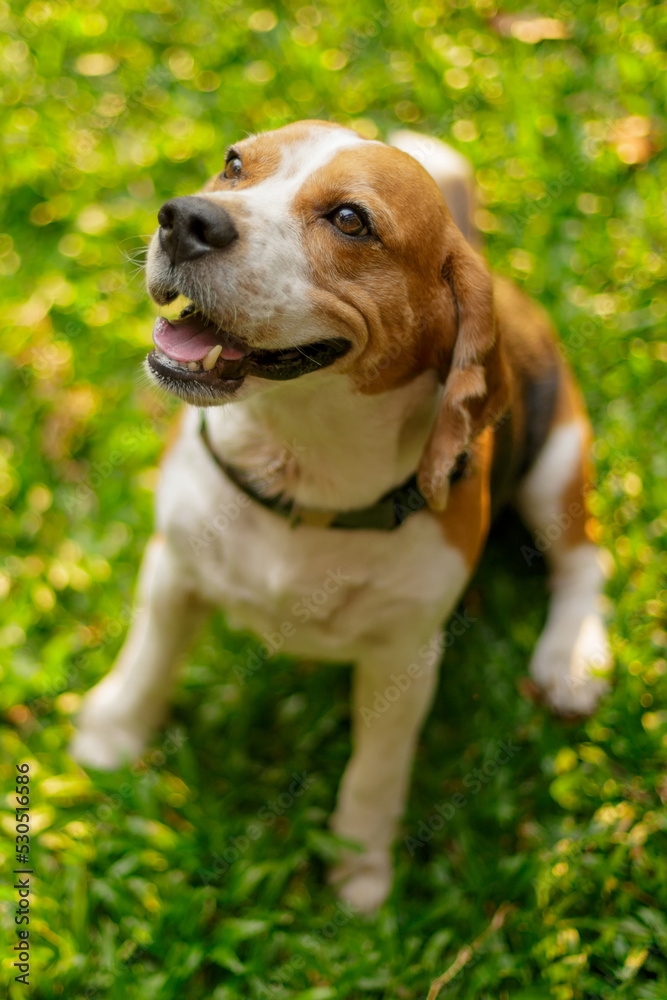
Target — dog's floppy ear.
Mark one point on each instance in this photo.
(473, 371)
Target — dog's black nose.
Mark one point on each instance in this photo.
(191, 226)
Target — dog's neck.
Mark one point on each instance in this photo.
(324, 444)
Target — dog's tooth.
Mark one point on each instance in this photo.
(193, 366)
(212, 357)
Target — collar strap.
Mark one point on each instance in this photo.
(389, 512)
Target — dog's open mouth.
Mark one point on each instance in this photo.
(192, 349)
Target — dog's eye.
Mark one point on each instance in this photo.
(233, 168)
(350, 221)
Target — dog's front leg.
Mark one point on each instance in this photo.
(119, 714)
(391, 696)
(572, 660)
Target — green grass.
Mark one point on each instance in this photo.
(572, 830)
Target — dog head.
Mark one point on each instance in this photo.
(316, 249)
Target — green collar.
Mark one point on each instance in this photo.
(388, 513)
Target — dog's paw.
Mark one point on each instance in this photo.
(106, 747)
(573, 675)
(363, 881)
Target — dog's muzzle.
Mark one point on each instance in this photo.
(194, 357)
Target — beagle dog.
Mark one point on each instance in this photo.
(363, 397)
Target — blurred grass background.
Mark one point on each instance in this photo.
(109, 109)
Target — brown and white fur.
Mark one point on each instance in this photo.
(443, 359)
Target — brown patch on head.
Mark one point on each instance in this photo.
(261, 154)
(422, 297)
(410, 294)
(258, 165)
(390, 280)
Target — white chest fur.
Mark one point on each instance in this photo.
(325, 444)
(327, 592)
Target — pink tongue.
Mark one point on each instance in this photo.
(191, 342)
